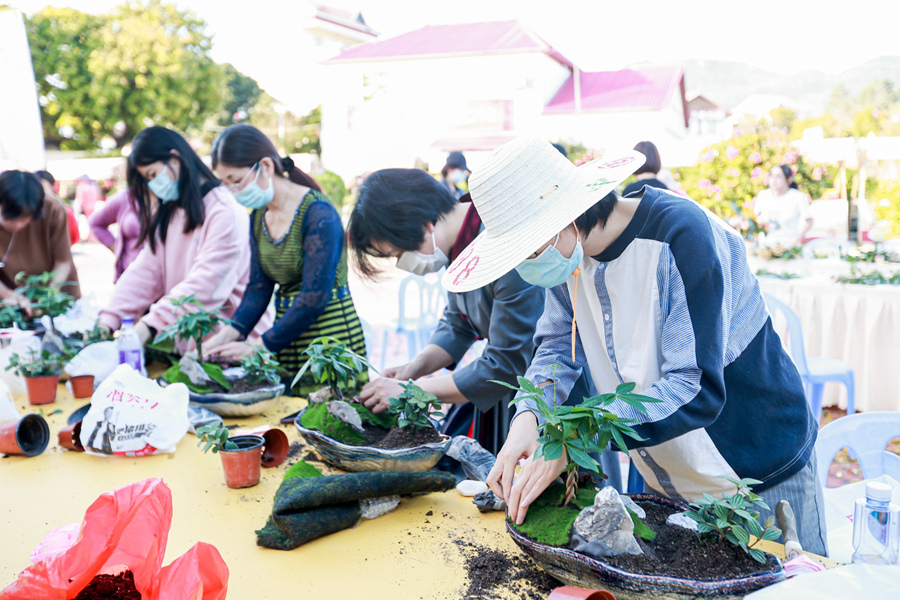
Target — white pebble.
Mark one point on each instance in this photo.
(469, 487)
(681, 520)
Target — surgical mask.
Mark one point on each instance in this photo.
(458, 176)
(550, 268)
(417, 263)
(163, 187)
(253, 196)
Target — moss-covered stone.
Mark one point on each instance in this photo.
(384, 420)
(302, 469)
(316, 416)
(549, 523)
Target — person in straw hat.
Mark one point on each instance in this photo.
(651, 289)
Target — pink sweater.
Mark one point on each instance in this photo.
(212, 262)
(120, 209)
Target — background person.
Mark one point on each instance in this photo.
(782, 210)
(297, 242)
(196, 240)
(34, 237)
(121, 208)
(660, 294)
(647, 173)
(455, 173)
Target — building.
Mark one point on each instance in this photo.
(412, 98)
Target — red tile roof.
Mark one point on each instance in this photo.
(497, 37)
(640, 88)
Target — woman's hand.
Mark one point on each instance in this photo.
(401, 372)
(20, 301)
(376, 395)
(232, 351)
(534, 476)
(214, 343)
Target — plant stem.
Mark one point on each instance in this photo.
(571, 485)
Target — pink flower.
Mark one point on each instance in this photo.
(716, 189)
(731, 152)
(756, 173)
(755, 158)
(710, 155)
(703, 183)
(732, 172)
(578, 163)
(790, 158)
(817, 174)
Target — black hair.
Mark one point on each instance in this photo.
(597, 214)
(21, 195)
(245, 145)
(789, 175)
(46, 176)
(195, 180)
(393, 206)
(653, 164)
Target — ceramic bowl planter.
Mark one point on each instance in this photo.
(243, 404)
(82, 386)
(42, 390)
(573, 568)
(28, 436)
(366, 458)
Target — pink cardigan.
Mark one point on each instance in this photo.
(119, 208)
(212, 262)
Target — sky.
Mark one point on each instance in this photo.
(783, 36)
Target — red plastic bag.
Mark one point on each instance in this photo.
(126, 528)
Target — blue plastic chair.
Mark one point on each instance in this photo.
(866, 436)
(417, 320)
(829, 247)
(815, 371)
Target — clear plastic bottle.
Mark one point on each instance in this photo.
(876, 526)
(131, 352)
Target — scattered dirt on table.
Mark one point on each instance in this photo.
(494, 575)
(407, 437)
(109, 587)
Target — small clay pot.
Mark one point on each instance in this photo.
(82, 386)
(70, 437)
(242, 466)
(276, 448)
(42, 390)
(29, 436)
(573, 593)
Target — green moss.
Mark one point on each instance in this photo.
(302, 469)
(549, 523)
(384, 420)
(317, 417)
(174, 375)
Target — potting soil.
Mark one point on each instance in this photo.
(409, 437)
(306, 508)
(111, 587)
(317, 417)
(550, 524)
(494, 574)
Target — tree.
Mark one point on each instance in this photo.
(244, 93)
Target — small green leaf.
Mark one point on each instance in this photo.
(772, 534)
(757, 555)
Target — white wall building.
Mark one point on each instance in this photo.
(21, 135)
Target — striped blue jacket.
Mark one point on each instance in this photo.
(672, 306)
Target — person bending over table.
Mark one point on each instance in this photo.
(296, 241)
(34, 237)
(406, 214)
(196, 240)
(651, 289)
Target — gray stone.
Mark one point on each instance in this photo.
(629, 503)
(346, 413)
(606, 528)
(192, 369)
(682, 520)
(320, 396)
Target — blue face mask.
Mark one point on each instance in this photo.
(550, 268)
(163, 187)
(253, 196)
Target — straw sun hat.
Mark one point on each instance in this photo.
(526, 193)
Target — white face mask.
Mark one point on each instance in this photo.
(417, 263)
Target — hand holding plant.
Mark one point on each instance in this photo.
(195, 324)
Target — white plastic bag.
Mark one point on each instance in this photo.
(8, 411)
(98, 359)
(871, 582)
(21, 343)
(80, 318)
(839, 514)
(131, 415)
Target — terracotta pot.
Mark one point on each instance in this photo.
(29, 436)
(42, 390)
(242, 466)
(82, 386)
(573, 593)
(69, 437)
(276, 449)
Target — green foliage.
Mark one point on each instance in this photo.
(333, 187)
(413, 406)
(873, 278)
(641, 530)
(732, 518)
(243, 94)
(96, 335)
(214, 436)
(887, 206)
(36, 364)
(333, 364)
(302, 469)
(779, 252)
(12, 315)
(261, 366)
(174, 375)
(316, 416)
(194, 324)
(550, 524)
(45, 296)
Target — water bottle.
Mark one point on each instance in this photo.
(876, 526)
(131, 352)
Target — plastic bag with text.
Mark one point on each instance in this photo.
(127, 528)
(21, 343)
(131, 415)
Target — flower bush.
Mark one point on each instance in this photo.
(887, 206)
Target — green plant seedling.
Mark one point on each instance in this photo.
(261, 367)
(214, 437)
(194, 323)
(36, 364)
(413, 406)
(11, 315)
(45, 296)
(732, 518)
(333, 364)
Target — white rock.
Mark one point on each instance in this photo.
(469, 487)
(192, 369)
(607, 526)
(372, 508)
(629, 503)
(346, 413)
(320, 396)
(682, 520)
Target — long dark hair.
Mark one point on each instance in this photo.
(789, 175)
(245, 145)
(21, 195)
(195, 180)
(652, 164)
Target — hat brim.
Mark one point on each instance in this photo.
(491, 256)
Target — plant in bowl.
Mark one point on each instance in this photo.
(41, 372)
(11, 316)
(261, 368)
(332, 363)
(194, 323)
(241, 455)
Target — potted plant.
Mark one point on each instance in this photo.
(82, 386)
(12, 316)
(46, 297)
(546, 532)
(332, 363)
(41, 372)
(241, 455)
(194, 323)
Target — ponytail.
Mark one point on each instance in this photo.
(298, 176)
